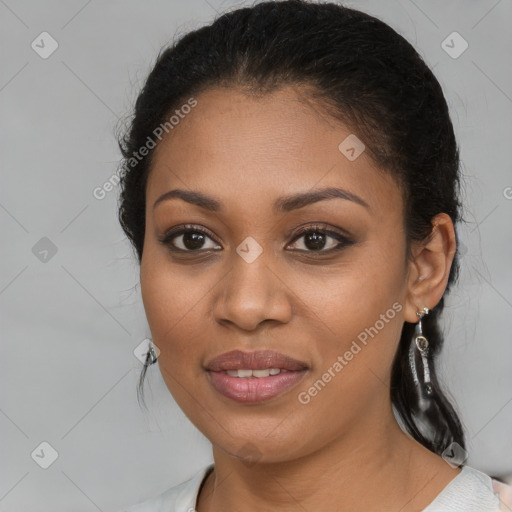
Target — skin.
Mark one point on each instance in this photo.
(247, 151)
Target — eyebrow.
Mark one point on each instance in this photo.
(283, 204)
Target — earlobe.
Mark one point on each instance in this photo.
(430, 267)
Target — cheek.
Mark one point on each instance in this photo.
(169, 299)
(366, 285)
(362, 307)
(172, 308)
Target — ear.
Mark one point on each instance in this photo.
(429, 267)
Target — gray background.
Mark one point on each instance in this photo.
(71, 320)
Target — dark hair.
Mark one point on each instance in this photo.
(360, 72)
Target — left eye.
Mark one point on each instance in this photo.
(316, 240)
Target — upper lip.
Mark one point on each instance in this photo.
(260, 360)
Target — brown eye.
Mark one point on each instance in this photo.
(189, 239)
(318, 239)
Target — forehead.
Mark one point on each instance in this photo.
(253, 148)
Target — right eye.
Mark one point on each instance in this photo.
(188, 238)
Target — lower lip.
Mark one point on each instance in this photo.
(254, 389)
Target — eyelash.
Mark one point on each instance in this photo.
(343, 240)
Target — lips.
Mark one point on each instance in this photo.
(261, 360)
(250, 377)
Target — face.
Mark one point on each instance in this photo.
(310, 285)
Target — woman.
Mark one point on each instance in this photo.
(290, 185)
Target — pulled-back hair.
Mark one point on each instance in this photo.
(360, 72)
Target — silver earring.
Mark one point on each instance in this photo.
(151, 356)
(422, 345)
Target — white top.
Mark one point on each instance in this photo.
(470, 491)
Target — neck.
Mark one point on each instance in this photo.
(373, 466)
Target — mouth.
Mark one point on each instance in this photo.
(251, 377)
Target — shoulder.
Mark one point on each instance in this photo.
(181, 498)
(504, 493)
(470, 491)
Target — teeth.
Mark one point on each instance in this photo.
(261, 373)
(255, 373)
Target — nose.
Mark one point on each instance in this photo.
(252, 293)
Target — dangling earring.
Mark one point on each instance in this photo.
(428, 413)
(422, 345)
(151, 355)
